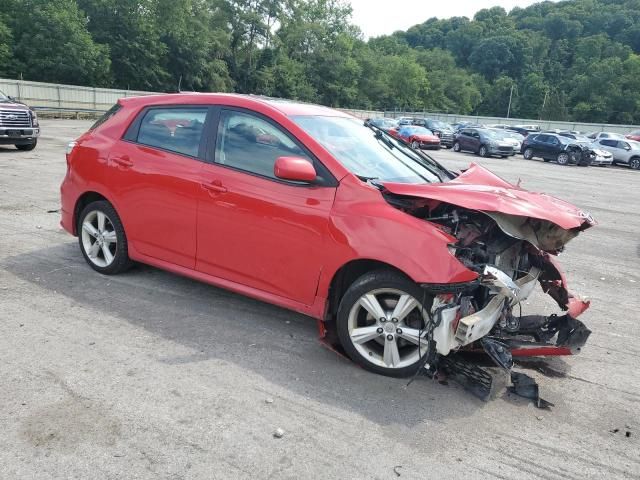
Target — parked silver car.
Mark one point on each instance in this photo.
(626, 152)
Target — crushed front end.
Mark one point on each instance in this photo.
(511, 255)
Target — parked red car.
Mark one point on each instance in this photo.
(399, 259)
(635, 135)
(416, 136)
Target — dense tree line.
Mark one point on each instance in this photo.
(576, 59)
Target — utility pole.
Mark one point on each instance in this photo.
(544, 103)
(510, 97)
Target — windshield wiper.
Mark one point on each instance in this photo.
(430, 163)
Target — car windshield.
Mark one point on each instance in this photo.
(415, 130)
(369, 153)
(440, 125)
(384, 122)
(493, 134)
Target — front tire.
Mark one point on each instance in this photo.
(563, 159)
(26, 147)
(102, 238)
(381, 323)
(528, 154)
(456, 147)
(483, 152)
(635, 163)
(415, 145)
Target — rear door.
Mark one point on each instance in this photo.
(155, 176)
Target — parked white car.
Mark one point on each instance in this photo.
(624, 151)
(597, 136)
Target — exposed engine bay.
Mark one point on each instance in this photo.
(511, 254)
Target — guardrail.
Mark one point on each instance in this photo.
(52, 99)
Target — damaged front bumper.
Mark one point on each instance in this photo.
(523, 336)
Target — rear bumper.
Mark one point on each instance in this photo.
(11, 136)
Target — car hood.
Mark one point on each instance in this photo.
(479, 189)
(9, 105)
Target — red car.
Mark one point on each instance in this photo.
(635, 135)
(305, 207)
(416, 136)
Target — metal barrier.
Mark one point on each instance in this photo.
(76, 101)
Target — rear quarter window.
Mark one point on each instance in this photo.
(106, 116)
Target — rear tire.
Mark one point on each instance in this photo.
(381, 320)
(528, 154)
(26, 147)
(102, 239)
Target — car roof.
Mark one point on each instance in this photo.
(286, 107)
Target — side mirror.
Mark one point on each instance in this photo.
(295, 169)
(11, 98)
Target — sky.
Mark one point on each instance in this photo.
(379, 17)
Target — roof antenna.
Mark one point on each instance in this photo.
(180, 84)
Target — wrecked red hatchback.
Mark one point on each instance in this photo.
(400, 260)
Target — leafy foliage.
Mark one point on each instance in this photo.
(576, 59)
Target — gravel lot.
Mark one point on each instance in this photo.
(150, 375)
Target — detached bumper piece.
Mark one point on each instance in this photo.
(572, 335)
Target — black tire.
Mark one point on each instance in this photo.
(483, 151)
(121, 261)
(369, 282)
(635, 163)
(26, 147)
(504, 156)
(528, 154)
(415, 145)
(456, 147)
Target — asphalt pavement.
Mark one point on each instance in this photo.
(152, 375)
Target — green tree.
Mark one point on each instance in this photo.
(130, 29)
(6, 46)
(52, 44)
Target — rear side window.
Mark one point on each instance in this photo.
(175, 129)
(609, 143)
(106, 116)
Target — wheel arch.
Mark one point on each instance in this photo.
(342, 279)
(83, 200)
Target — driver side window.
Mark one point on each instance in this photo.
(247, 142)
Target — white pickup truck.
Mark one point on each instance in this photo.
(18, 124)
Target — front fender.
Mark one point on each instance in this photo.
(364, 226)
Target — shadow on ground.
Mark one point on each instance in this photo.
(277, 344)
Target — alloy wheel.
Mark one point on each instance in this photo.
(415, 145)
(635, 163)
(563, 158)
(99, 239)
(386, 327)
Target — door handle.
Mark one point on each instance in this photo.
(123, 161)
(214, 187)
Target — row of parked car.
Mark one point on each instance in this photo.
(562, 146)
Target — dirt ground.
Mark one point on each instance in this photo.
(151, 375)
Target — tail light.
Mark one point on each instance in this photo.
(70, 147)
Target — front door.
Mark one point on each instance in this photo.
(253, 228)
(154, 173)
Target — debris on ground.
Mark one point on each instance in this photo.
(268, 400)
(526, 387)
(395, 470)
(279, 433)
